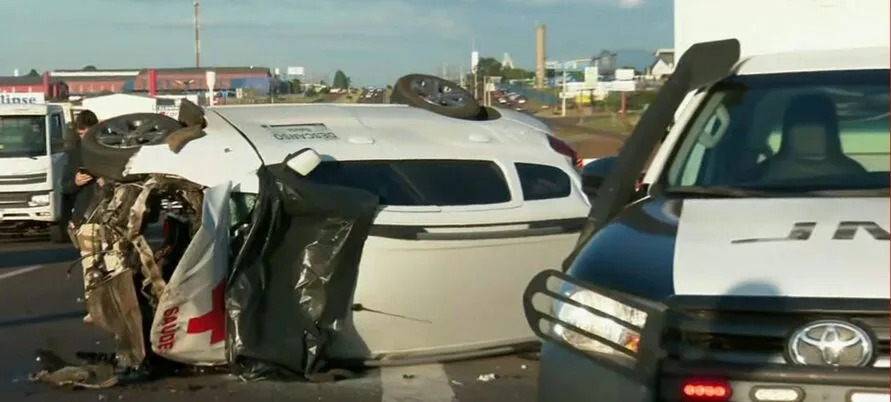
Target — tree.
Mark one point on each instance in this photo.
(511, 74)
(33, 73)
(90, 68)
(341, 81)
(310, 91)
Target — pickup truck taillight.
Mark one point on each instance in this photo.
(563, 148)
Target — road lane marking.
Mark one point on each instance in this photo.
(428, 383)
(20, 271)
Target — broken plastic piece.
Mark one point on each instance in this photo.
(486, 377)
(303, 161)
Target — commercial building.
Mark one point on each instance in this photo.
(90, 81)
(50, 87)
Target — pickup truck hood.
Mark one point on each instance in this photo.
(752, 247)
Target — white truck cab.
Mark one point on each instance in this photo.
(32, 160)
(752, 265)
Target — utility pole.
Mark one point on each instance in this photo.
(197, 6)
(563, 94)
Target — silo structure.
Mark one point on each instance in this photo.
(540, 56)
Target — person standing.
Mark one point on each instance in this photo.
(79, 187)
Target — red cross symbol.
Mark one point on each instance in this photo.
(215, 319)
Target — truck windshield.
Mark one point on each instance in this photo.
(812, 132)
(22, 136)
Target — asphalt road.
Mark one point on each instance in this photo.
(41, 308)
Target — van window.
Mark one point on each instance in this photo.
(22, 136)
(542, 182)
(57, 134)
(420, 182)
(803, 131)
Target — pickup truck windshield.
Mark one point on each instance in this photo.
(810, 132)
(22, 136)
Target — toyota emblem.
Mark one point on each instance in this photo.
(830, 343)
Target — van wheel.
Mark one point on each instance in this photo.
(435, 94)
(109, 145)
(58, 233)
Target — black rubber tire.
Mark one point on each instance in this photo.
(109, 162)
(403, 94)
(58, 233)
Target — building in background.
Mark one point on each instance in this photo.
(178, 80)
(606, 62)
(663, 64)
(91, 81)
(108, 106)
(51, 88)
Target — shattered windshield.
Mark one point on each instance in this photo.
(791, 132)
(22, 136)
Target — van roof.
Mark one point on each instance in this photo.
(866, 58)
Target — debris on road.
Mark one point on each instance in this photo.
(487, 377)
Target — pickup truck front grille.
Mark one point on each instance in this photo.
(22, 179)
(753, 338)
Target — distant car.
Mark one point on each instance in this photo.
(356, 233)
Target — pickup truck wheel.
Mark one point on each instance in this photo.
(109, 145)
(437, 95)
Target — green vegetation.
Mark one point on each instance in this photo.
(613, 123)
(341, 81)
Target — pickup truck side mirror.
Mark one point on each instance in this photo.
(594, 173)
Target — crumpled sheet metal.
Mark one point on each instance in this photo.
(54, 370)
(294, 276)
(110, 296)
(113, 305)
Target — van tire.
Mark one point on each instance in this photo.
(109, 161)
(404, 93)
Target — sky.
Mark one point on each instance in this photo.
(372, 41)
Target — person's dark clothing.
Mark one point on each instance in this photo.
(76, 199)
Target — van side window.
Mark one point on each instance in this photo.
(56, 129)
(541, 182)
(420, 182)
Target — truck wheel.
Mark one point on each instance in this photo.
(109, 145)
(437, 95)
(59, 233)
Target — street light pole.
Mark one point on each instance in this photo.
(563, 94)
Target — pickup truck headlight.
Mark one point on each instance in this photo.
(600, 326)
(40, 200)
